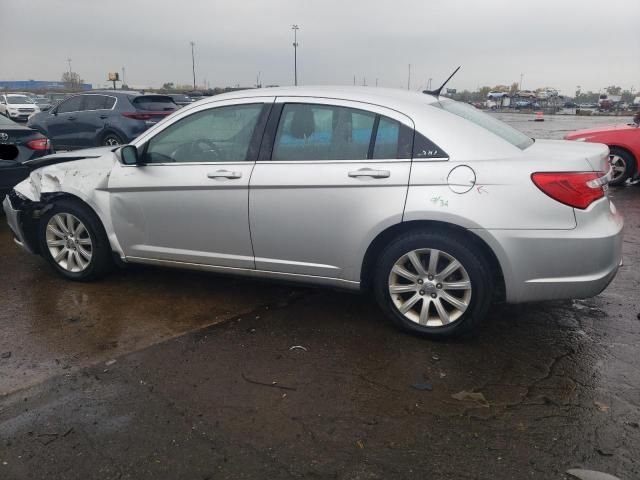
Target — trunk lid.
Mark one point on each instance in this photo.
(567, 156)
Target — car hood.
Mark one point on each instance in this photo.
(596, 131)
(79, 175)
(65, 157)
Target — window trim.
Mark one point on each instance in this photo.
(252, 150)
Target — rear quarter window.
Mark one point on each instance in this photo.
(154, 103)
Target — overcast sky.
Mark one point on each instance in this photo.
(557, 43)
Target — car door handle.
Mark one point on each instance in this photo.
(104, 116)
(71, 118)
(368, 172)
(224, 174)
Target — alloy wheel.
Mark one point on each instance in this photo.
(430, 287)
(111, 141)
(619, 166)
(69, 242)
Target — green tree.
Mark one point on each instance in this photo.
(613, 90)
(168, 86)
(72, 80)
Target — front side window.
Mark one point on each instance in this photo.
(221, 134)
(71, 105)
(323, 132)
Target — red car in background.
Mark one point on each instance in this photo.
(624, 148)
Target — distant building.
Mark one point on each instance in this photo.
(37, 85)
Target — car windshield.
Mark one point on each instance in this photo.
(504, 131)
(18, 99)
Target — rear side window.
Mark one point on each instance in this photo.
(70, 105)
(387, 138)
(323, 132)
(154, 103)
(98, 102)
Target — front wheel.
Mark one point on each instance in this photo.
(73, 241)
(433, 284)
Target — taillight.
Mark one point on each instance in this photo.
(39, 144)
(145, 116)
(576, 189)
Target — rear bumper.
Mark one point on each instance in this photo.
(561, 264)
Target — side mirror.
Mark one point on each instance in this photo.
(129, 155)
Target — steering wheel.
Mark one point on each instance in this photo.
(199, 149)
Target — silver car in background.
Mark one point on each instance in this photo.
(435, 207)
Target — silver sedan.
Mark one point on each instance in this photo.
(432, 205)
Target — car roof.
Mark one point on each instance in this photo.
(373, 95)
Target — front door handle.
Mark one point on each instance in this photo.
(224, 174)
(71, 118)
(368, 172)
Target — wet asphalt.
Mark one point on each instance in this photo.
(154, 374)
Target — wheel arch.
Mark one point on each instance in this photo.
(113, 130)
(383, 238)
(31, 218)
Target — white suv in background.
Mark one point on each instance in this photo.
(17, 106)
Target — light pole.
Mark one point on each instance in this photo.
(521, 75)
(295, 29)
(409, 78)
(69, 60)
(123, 82)
(193, 64)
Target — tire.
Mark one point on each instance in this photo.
(623, 164)
(475, 273)
(56, 236)
(111, 139)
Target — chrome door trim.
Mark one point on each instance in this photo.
(287, 162)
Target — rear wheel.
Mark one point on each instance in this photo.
(432, 284)
(111, 139)
(622, 164)
(73, 241)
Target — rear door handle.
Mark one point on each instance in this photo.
(368, 172)
(224, 174)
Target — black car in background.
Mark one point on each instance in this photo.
(18, 144)
(101, 118)
(181, 99)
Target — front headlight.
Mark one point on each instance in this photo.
(581, 139)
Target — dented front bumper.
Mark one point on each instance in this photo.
(14, 219)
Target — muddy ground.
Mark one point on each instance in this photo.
(154, 374)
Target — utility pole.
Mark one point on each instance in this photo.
(123, 82)
(295, 29)
(193, 63)
(69, 60)
(409, 78)
(521, 75)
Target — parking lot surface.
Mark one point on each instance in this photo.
(155, 373)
